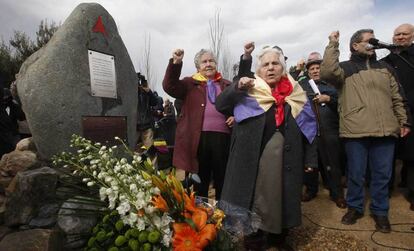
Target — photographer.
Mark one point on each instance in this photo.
(145, 120)
(10, 112)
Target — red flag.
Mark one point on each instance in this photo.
(99, 27)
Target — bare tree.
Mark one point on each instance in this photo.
(145, 65)
(216, 33)
(217, 38)
(226, 63)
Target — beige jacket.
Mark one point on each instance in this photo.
(370, 103)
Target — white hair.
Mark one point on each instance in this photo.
(266, 50)
(198, 55)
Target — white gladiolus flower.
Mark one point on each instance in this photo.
(103, 148)
(102, 193)
(86, 179)
(109, 191)
(140, 223)
(166, 239)
(117, 168)
(90, 183)
(112, 203)
(123, 208)
(133, 187)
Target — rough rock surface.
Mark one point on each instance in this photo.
(54, 83)
(17, 161)
(33, 189)
(33, 240)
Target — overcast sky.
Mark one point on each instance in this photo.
(298, 27)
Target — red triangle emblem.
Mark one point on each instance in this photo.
(99, 27)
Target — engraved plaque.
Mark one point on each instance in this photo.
(102, 71)
(104, 129)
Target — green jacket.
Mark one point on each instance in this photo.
(369, 100)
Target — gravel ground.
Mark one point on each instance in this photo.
(321, 215)
(309, 238)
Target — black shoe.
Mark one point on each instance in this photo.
(340, 202)
(382, 223)
(255, 241)
(308, 197)
(402, 184)
(351, 216)
(278, 241)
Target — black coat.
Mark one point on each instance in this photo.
(328, 113)
(8, 126)
(145, 119)
(405, 75)
(245, 151)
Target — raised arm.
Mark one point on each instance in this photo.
(172, 83)
(232, 95)
(245, 63)
(330, 69)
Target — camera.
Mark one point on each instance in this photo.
(142, 82)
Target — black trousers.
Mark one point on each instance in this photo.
(213, 152)
(330, 153)
(409, 165)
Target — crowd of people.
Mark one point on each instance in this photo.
(263, 138)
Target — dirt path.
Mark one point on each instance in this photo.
(322, 212)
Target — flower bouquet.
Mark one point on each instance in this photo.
(143, 202)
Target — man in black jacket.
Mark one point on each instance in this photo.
(10, 112)
(402, 60)
(329, 145)
(145, 120)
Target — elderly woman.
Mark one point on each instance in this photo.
(203, 134)
(270, 146)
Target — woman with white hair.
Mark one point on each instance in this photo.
(270, 147)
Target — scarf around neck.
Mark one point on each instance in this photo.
(283, 89)
(261, 98)
(211, 88)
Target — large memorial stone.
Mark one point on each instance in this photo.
(54, 84)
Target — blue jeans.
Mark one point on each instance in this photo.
(378, 153)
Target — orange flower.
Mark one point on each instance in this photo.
(187, 215)
(186, 239)
(199, 218)
(178, 196)
(207, 235)
(189, 202)
(159, 202)
(178, 227)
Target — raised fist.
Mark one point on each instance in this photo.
(334, 36)
(178, 55)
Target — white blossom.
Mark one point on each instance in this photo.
(123, 208)
(102, 193)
